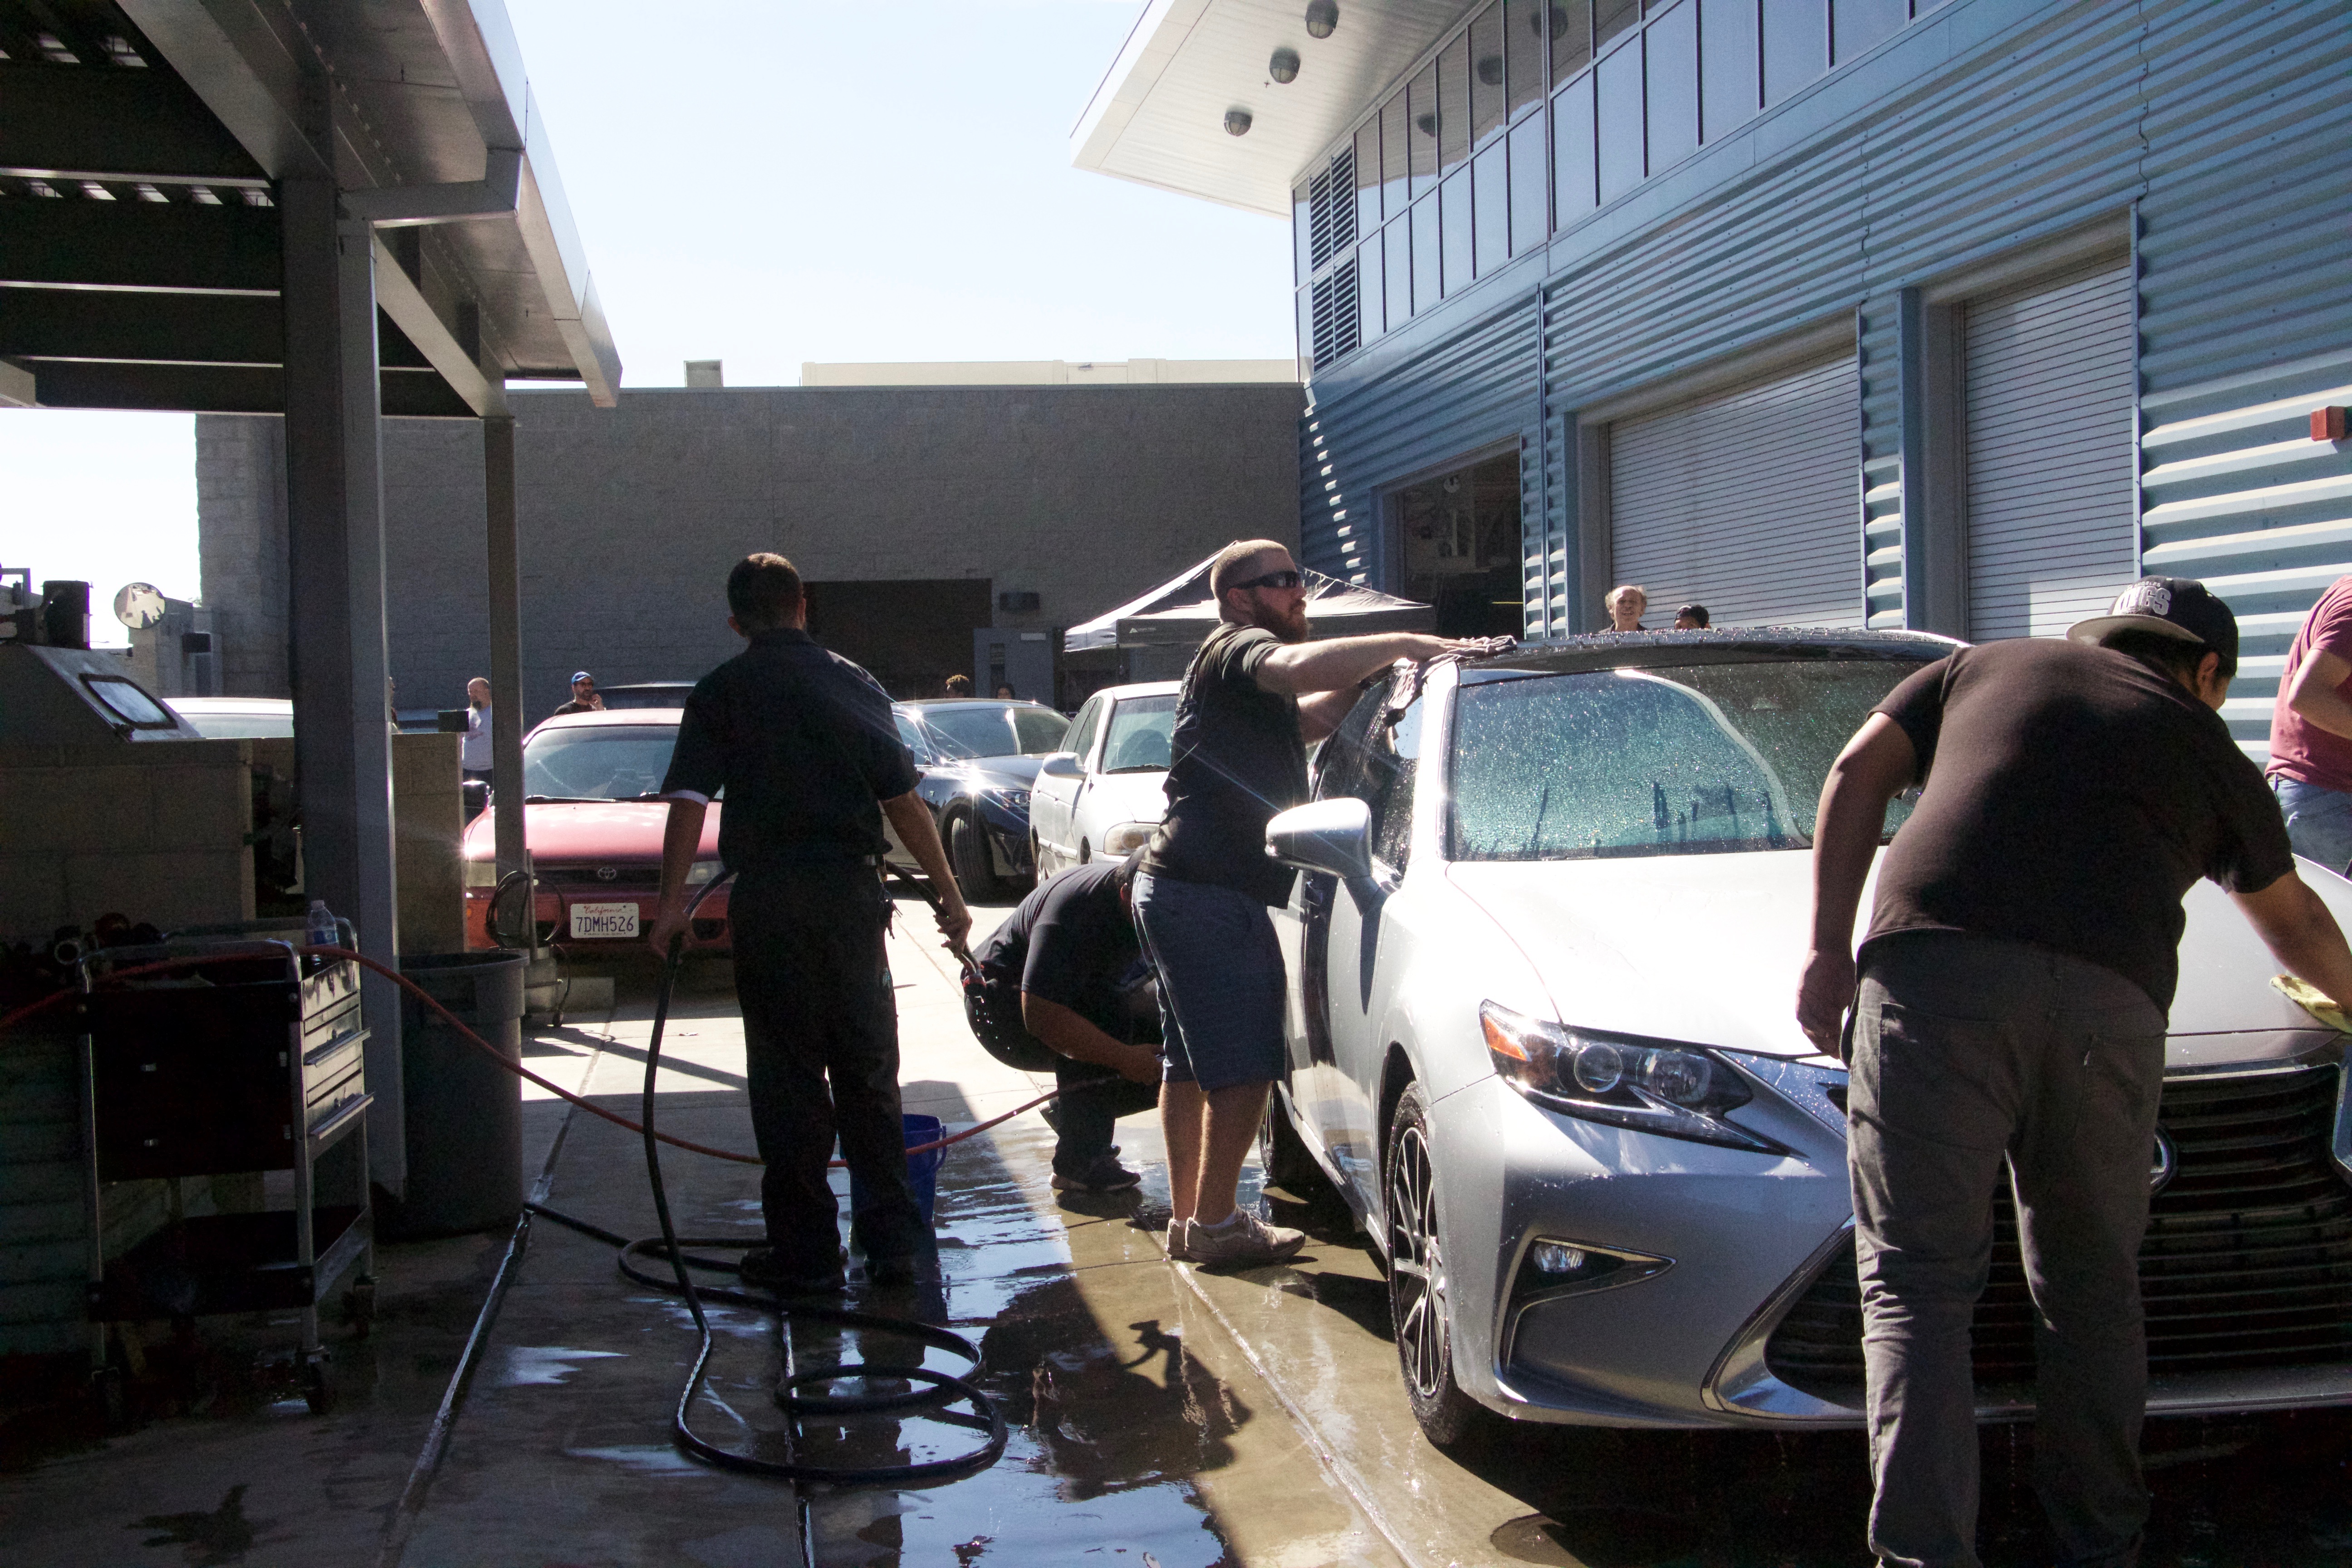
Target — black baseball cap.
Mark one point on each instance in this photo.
(2180, 607)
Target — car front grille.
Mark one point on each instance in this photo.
(2247, 1263)
(589, 878)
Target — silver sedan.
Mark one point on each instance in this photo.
(1542, 1044)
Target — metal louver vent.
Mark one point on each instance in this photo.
(1336, 319)
(1331, 211)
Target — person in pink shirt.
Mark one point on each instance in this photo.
(2310, 732)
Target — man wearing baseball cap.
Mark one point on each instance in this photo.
(584, 697)
(2009, 1007)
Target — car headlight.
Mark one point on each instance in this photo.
(701, 871)
(1624, 1081)
(1127, 837)
(483, 873)
(1007, 799)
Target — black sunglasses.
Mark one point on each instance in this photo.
(1271, 580)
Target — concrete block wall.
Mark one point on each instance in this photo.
(241, 520)
(630, 516)
(428, 825)
(156, 831)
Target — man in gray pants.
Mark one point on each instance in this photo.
(2010, 1008)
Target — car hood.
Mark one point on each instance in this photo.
(1013, 772)
(1130, 797)
(592, 830)
(1706, 947)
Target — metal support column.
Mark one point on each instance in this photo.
(336, 620)
(505, 578)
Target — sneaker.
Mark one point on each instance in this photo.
(1105, 1175)
(1179, 1241)
(1243, 1239)
(764, 1270)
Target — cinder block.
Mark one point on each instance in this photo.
(200, 808)
(32, 896)
(170, 888)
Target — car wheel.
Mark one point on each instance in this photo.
(1282, 1155)
(968, 858)
(1420, 1300)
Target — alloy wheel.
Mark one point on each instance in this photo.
(1417, 1282)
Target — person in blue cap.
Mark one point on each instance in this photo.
(584, 697)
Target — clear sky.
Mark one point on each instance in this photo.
(766, 182)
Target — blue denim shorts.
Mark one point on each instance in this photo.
(1221, 981)
(2318, 821)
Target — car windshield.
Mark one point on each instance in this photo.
(1139, 729)
(601, 762)
(1002, 729)
(1686, 760)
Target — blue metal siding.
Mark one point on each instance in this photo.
(1440, 403)
(1982, 129)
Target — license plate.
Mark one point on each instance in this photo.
(590, 920)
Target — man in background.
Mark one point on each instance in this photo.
(1627, 603)
(1693, 619)
(2310, 732)
(474, 761)
(584, 698)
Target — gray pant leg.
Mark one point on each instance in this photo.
(2080, 1168)
(1932, 1103)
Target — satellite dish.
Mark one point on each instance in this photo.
(139, 605)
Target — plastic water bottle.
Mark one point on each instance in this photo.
(321, 931)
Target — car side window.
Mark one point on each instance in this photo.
(1371, 759)
(910, 735)
(1082, 733)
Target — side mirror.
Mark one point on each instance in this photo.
(1061, 766)
(1333, 837)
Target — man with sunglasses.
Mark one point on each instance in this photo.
(1256, 694)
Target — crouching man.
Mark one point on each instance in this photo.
(1067, 969)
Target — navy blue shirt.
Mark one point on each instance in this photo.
(1237, 758)
(1071, 942)
(805, 747)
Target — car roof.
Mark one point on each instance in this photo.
(231, 704)
(925, 704)
(603, 718)
(1140, 689)
(1738, 645)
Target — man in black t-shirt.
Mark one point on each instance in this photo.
(1066, 965)
(1238, 755)
(2011, 1009)
(804, 745)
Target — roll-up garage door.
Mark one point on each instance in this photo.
(1745, 502)
(2049, 509)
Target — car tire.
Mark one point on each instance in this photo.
(1282, 1155)
(968, 858)
(1420, 1302)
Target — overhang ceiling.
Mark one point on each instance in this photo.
(140, 247)
(1159, 116)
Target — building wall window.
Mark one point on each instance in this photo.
(1530, 116)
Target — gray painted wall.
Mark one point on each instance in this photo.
(629, 518)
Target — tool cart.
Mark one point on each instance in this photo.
(243, 1057)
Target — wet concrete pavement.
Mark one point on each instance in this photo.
(1159, 1415)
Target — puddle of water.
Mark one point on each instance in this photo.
(541, 1365)
(643, 1459)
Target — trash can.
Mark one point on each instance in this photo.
(464, 1111)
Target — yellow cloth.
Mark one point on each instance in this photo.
(2313, 1001)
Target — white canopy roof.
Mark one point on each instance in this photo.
(1180, 612)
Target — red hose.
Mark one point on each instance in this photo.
(12, 1020)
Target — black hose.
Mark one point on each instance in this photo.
(937, 1389)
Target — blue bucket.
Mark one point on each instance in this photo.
(922, 1169)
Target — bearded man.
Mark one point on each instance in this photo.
(1238, 755)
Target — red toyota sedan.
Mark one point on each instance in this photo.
(593, 818)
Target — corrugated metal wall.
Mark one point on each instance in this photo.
(1469, 392)
(1991, 127)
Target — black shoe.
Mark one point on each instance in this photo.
(1105, 1175)
(764, 1270)
(890, 1273)
(1051, 1114)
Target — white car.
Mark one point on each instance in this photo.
(235, 718)
(1106, 793)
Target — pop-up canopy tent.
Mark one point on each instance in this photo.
(1180, 612)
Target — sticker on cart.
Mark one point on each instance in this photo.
(590, 921)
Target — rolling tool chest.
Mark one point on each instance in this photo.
(247, 1057)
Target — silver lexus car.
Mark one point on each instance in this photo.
(1542, 1043)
